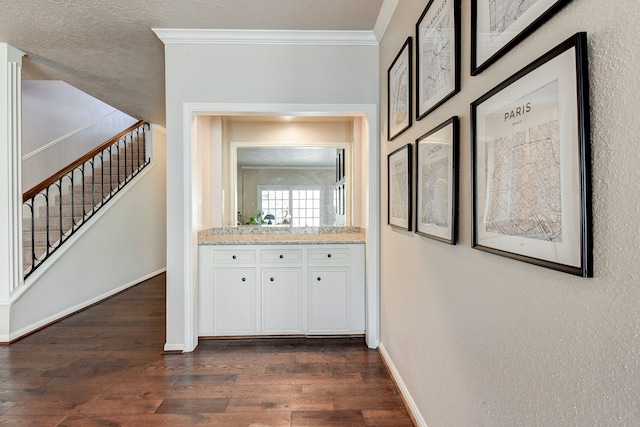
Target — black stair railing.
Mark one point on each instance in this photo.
(56, 208)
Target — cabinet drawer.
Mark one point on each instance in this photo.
(329, 255)
(286, 256)
(234, 256)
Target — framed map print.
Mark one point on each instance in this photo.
(399, 187)
(399, 92)
(437, 55)
(498, 25)
(437, 182)
(531, 178)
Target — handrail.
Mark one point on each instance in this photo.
(64, 171)
(55, 209)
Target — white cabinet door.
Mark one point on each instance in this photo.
(282, 301)
(234, 301)
(329, 300)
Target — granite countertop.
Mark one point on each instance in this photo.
(254, 235)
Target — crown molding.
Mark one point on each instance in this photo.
(384, 18)
(266, 37)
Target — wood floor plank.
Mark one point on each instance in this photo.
(298, 379)
(105, 367)
(30, 420)
(386, 418)
(386, 401)
(352, 418)
(192, 406)
(271, 419)
(279, 404)
(254, 391)
(118, 406)
(347, 389)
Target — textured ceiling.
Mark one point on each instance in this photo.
(107, 48)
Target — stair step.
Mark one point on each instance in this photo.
(89, 199)
(95, 189)
(40, 224)
(40, 238)
(113, 164)
(27, 254)
(56, 211)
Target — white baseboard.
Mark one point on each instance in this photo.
(174, 347)
(71, 310)
(413, 408)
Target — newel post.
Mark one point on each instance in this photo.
(10, 179)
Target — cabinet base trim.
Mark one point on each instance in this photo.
(249, 337)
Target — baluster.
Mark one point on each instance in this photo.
(33, 233)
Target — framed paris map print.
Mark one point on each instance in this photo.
(437, 55)
(399, 187)
(498, 25)
(399, 92)
(531, 178)
(437, 182)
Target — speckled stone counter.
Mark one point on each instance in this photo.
(254, 235)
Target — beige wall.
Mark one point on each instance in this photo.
(482, 340)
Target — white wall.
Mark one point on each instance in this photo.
(65, 123)
(482, 340)
(242, 74)
(128, 231)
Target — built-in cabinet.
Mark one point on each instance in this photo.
(301, 289)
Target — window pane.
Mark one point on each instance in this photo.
(301, 204)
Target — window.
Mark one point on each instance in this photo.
(298, 205)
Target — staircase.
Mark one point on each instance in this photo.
(57, 208)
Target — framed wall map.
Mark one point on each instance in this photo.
(399, 79)
(498, 25)
(531, 163)
(399, 187)
(437, 182)
(437, 55)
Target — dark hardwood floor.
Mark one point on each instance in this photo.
(104, 367)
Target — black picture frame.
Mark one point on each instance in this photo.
(436, 174)
(494, 33)
(531, 177)
(399, 89)
(437, 55)
(399, 186)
